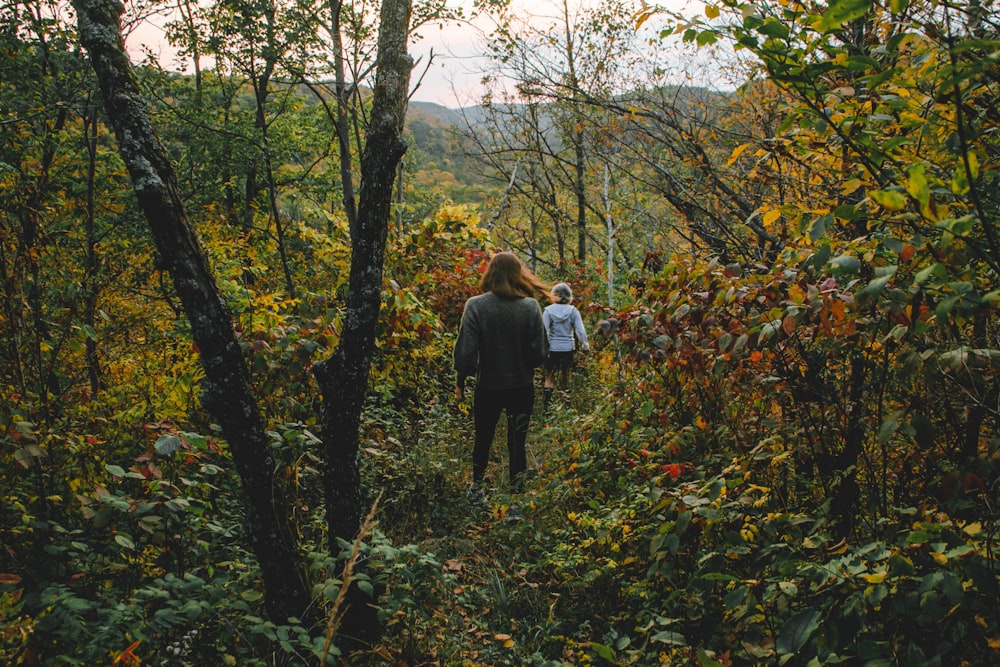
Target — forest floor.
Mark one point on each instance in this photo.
(489, 549)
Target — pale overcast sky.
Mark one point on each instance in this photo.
(453, 78)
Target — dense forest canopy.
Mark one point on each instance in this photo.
(783, 448)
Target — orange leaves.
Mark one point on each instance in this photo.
(909, 251)
(7, 579)
(737, 152)
(833, 317)
(128, 657)
(675, 470)
(644, 14)
(771, 216)
(788, 325)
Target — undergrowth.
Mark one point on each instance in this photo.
(640, 546)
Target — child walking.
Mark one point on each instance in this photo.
(565, 330)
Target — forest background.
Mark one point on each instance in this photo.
(783, 448)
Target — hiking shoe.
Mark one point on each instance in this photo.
(476, 494)
(513, 514)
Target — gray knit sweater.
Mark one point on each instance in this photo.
(501, 341)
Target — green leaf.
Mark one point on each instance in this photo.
(847, 212)
(889, 427)
(819, 227)
(706, 37)
(839, 12)
(876, 286)
(822, 256)
(195, 439)
(125, 541)
(960, 181)
(936, 269)
(24, 454)
(958, 226)
(796, 631)
(669, 637)
(845, 264)
(704, 660)
(892, 200)
(773, 28)
(917, 185)
(769, 329)
(859, 63)
(116, 471)
(167, 444)
(603, 651)
(946, 306)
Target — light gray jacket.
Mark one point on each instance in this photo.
(561, 321)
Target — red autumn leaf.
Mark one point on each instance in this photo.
(673, 469)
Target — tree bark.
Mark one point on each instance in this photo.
(343, 127)
(226, 392)
(343, 377)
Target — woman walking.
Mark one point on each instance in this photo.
(501, 340)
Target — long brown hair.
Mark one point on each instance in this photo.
(508, 278)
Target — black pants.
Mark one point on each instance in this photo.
(486, 409)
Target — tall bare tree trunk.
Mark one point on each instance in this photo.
(343, 377)
(343, 127)
(90, 276)
(226, 392)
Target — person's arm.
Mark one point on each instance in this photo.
(581, 333)
(466, 356)
(538, 346)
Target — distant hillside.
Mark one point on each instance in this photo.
(441, 155)
(442, 113)
(443, 158)
(445, 114)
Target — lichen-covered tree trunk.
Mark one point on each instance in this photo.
(226, 390)
(343, 377)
